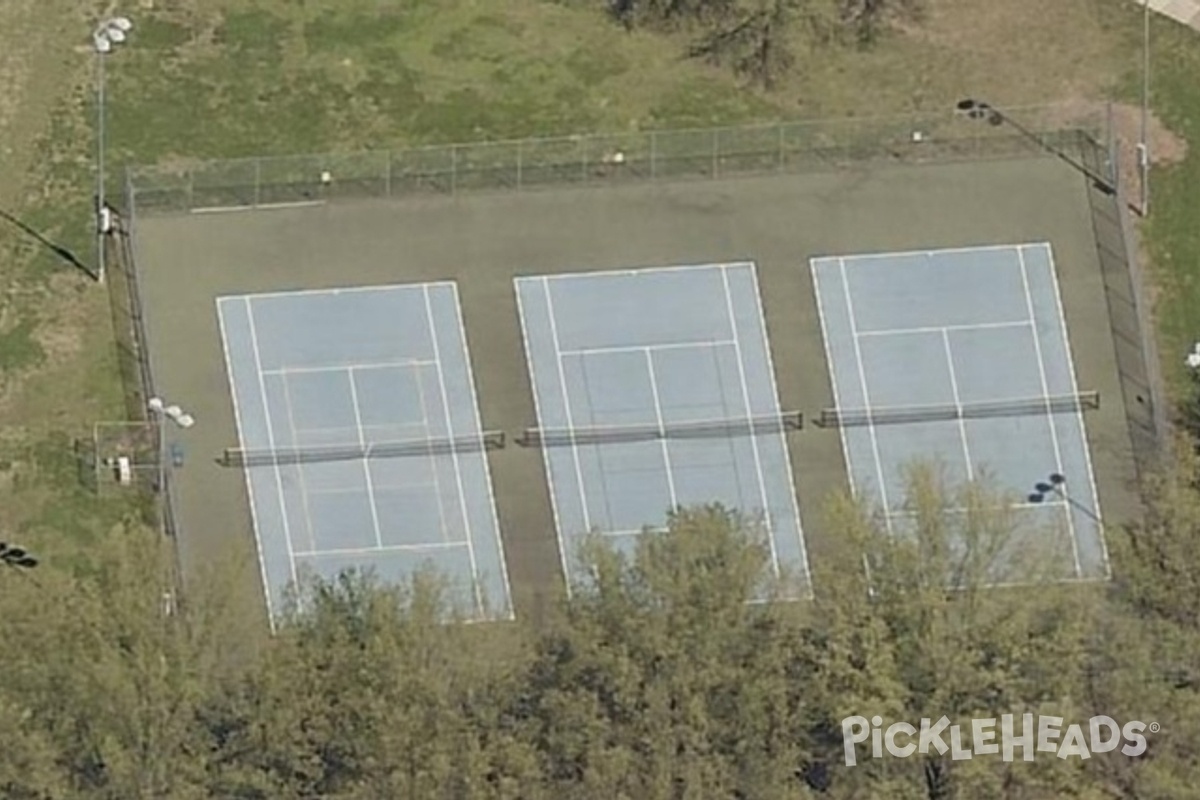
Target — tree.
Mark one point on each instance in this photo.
(1148, 666)
(912, 625)
(664, 680)
(754, 39)
(758, 38)
(368, 692)
(104, 683)
(867, 19)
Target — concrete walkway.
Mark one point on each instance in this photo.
(1185, 11)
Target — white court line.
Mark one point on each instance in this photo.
(462, 497)
(337, 290)
(783, 443)
(638, 348)
(262, 387)
(628, 271)
(837, 398)
(981, 326)
(366, 464)
(487, 470)
(237, 418)
(287, 402)
(962, 422)
(393, 548)
(537, 410)
(562, 378)
(658, 416)
(903, 512)
(432, 462)
(1087, 450)
(1037, 347)
(407, 363)
(862, 377)
(762, 482)
(910, 253)
(634, 531)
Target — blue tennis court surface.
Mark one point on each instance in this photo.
(658, 348)
(351, 367)
(968, 328)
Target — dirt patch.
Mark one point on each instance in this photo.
(1165, 146)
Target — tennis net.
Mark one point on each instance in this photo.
(240, 457)
(889, 415)
(697, 429)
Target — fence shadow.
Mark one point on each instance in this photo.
(1142, 386)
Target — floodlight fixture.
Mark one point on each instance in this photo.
(173, 412)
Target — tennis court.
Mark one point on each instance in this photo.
(962, 356)
(654, 390)
(361, 439)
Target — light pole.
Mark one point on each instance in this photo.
(1143, 148)
(108, 34)
(163, 412)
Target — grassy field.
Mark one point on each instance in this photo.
(240, 77)
(1171, 234)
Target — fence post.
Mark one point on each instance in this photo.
(716, 152)
(780, 157)
(583, 155)
(519, 164)
(387, 176)
(191, 189)
(257, 181)
(653, 154)
(453, 169)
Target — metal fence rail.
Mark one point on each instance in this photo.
(126, 273)
(807, 146)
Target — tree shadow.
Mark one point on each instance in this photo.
(62, 252)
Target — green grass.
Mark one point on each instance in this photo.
(1173, 229)
(19, 349)
(284, 78)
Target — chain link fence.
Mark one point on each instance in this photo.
(149, 456)
(1075, 131)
